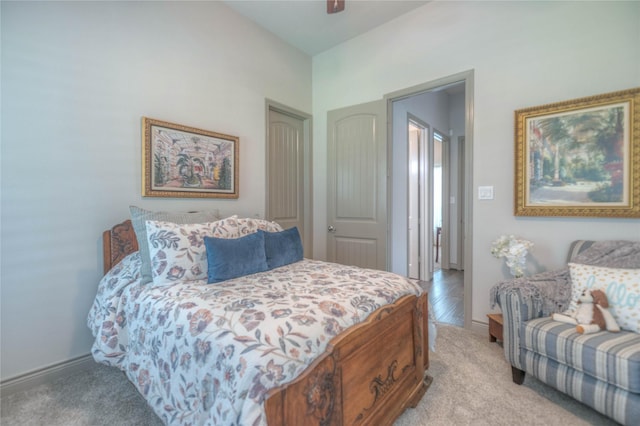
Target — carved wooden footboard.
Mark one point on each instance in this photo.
(368, 375)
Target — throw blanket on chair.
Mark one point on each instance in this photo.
(550, 291)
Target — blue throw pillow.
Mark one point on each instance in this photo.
(283, 248)
(234, 257)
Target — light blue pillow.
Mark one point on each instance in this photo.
(235, 257)
(283, 248)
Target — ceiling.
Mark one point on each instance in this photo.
(306, 24)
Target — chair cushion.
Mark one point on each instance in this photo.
(620, 405)
(610, 357)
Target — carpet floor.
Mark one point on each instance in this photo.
(471, 386)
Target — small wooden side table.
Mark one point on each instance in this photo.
(495, 327)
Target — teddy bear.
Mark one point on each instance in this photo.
(592, 314)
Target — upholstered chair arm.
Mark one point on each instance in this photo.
(515, 309)
(522, 299)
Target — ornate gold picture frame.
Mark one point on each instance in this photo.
(181, 161)
(579, 157)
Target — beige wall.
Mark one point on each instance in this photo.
(523, 54)
(76, 79)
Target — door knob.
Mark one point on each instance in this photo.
(331, 229)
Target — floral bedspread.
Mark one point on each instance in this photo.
(208, 353)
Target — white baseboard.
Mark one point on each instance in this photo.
(480, 327)
(45, 375)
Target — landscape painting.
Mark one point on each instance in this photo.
(577, 158)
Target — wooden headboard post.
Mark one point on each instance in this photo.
(117, 243)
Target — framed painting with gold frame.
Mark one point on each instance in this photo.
(181, 161)
(579, 157)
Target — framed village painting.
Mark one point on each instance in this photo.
(579, 157)
(181, 161)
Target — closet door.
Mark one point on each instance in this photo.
(288, 198)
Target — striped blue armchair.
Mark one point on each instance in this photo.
(601, 370)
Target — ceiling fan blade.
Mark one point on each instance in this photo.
(335, 6)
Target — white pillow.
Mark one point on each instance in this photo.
(622, 287)
(247, 225)
(177, 251)
(139, 218)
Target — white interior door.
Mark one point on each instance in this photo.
(419, 235)
(441, 195)
(414, 201)
(357, 185)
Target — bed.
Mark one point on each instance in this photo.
(308, 342)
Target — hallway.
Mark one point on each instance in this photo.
(446, 294)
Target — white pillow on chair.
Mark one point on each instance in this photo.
(622, 287)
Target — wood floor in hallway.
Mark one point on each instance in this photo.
(446, 294)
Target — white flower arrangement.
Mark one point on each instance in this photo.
(514, 250)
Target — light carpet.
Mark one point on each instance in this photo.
(471, 386)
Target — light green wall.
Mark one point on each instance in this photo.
(523, 54)
(76, 79)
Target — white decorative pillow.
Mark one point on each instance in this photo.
(178, 252)
(622, 287)
(247, 225)
(139, 218)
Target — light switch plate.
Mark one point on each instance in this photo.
(485, 193)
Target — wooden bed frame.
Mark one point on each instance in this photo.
(368, 375)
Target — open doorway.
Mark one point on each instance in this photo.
(427, 186)
(436, 238)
